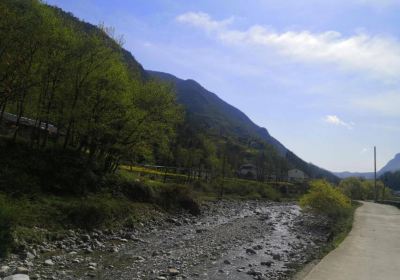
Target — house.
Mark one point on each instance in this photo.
(296, 175)
(248, 171)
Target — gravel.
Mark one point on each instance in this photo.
(229, 240)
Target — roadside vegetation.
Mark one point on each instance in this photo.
(338, 204)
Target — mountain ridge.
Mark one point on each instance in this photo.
(201, 104)
(391, 166)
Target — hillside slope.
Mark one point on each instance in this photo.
(206, 110)
(205, 107)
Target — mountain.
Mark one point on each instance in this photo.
(206, 108)
(392, 166)
(347, 174)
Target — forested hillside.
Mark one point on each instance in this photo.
(213, 117)
(69, 85)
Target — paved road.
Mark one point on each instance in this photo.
(370, 252)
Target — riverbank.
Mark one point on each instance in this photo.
(229, 240)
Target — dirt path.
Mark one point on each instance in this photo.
(371, 251)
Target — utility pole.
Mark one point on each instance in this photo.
(376, 191)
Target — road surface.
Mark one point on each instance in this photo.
(370, 252)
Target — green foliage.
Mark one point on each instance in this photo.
(361, 189)
(57, 70)
(96, 211)
(246, 189)
(326, 199)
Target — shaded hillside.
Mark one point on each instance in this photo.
(208, 110)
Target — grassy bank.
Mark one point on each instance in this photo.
(44, 193)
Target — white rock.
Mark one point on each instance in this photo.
(17, 277)
(48, 262)
(3, 270)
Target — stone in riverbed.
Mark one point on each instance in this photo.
(48, 262)
(173, 271)
(22, 270)
(4, 270)
(17, 277)
(250, 251)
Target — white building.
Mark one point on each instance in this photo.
(296, 175)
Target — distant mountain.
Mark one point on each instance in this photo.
(347, 174)
(392, 166)
(206, 108)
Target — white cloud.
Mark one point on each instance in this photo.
(378, 56)
(335, 120)
(203, 21)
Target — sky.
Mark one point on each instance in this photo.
(322, 76)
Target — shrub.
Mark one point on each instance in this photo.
(326, 199)
(248, 189)
(175, 196)
(95, 211)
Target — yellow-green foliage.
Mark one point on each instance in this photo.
(361, 189)
(326, 199)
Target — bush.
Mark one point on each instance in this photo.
(177, 196)
(247, 189)
(95, 211)
(326, 199)
(7, 224)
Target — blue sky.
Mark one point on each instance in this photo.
(322, 76)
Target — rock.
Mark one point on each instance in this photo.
(227, 262)
(161, 278)
(269, 263)
(85, 237)
(254, 272)
(257, 247)
(4, 270)
(17, 277)
(276, 257)
(48, 262)
(173, 221)
(173, 271)
(250, 251)
(22, 270)
(30, 256)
